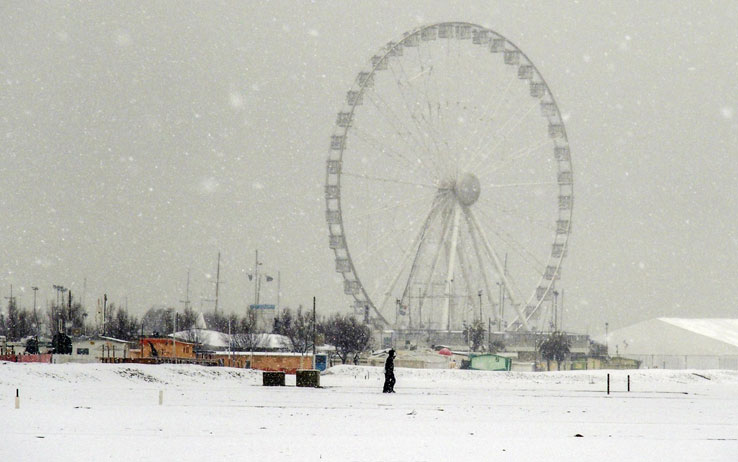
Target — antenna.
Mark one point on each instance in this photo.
(186, 301)
(217, 283)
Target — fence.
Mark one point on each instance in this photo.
(40, 358)
(687, 361)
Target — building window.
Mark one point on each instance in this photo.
(83, 351)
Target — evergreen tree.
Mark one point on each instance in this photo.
(555, 347)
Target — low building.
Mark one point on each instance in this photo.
(95, 349)
(261, 360)
(158, 347)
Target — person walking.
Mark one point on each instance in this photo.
(389, 373)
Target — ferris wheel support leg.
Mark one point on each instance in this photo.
(488, 247)
(450, 273)
(436, 257)
(469, 289)
(419, 240)
(487, 285)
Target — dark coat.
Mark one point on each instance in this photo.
(389, 365)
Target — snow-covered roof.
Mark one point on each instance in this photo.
(203, 336)
(722, 329)
(272, 341)
(221, 340)
(261, 353)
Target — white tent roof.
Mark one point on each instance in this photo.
(721, 329)
(676, 336)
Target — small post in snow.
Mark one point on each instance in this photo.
(161, 397)
(17, 399)
(628, 382)
(608, 384)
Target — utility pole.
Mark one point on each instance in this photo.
(105, 314)
(555, 311)
(314, 331)
(217, 283)
(35, 314)
(256, 278)
(186, 301)
(480, 304)
(420, 307)
(561, 318)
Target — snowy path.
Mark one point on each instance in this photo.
(111, 412)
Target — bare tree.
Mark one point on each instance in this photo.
(474, 334)
(244, 336)
(555, 347)
(346, 334)
(297, 328)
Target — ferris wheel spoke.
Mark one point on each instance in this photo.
(518, 155)
(395, 122)
(545, 226)
(417, 143)
(389, 180)
(429, 102)
(515, 298)
(502, 134)
(538, 266)
(405, 203)
(391, 153)
(423, 133)
(502, 99)
(383, 240)
(519, 185)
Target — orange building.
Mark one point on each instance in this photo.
(264, 361)
(156, 347)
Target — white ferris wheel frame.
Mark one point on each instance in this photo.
(526, 307)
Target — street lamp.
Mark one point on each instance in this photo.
(556, 310)
(607, 341)
(480, 303)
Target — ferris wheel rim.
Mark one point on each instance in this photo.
(352, 275)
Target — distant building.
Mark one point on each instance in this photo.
(264, 317)
(95, 349)
(679, 343)
(157, 347)
(262, 360)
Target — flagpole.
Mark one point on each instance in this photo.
(279, 287)
(256, 278)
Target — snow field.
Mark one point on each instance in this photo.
(111, 412)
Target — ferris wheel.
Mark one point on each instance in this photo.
(449, 185)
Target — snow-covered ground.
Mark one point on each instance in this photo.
(112, 412)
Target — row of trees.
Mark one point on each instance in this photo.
(21, 323)
(347, 334)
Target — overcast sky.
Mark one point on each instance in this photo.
(139, 139)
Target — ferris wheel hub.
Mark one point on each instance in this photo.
(467, 189)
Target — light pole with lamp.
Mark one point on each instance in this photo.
(607, 341)
(479, 293)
